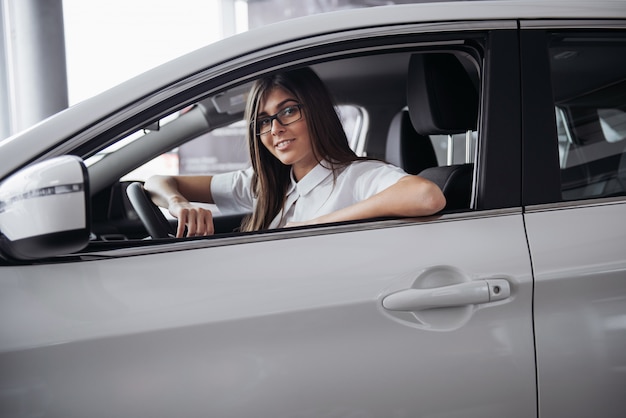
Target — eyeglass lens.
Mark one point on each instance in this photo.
(285, 117)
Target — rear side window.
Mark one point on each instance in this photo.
(589, 82)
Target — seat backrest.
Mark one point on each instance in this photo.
(456, 183)
(442, 98)
(406, 148)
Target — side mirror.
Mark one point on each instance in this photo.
(45, 210)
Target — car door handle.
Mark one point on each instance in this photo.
(468, 293)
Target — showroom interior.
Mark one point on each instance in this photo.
(39, 67)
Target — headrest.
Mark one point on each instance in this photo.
(441, 96)
(406, 148)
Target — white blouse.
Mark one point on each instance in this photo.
(314, 195)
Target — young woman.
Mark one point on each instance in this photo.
(303, 171)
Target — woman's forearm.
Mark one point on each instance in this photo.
(163, 189)
(410, 196)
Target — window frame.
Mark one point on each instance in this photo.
(497, 176)
(542, 163)
(498, 164)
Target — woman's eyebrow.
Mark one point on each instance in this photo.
(278, 106)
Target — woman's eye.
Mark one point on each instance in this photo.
(288, 111)
(264, 122)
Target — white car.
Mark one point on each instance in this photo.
(511, 302)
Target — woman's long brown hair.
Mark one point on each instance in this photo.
(328, 140)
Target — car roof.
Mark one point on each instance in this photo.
(31, 143)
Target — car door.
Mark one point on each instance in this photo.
(395, 318)
(577, 236)
(286, 325)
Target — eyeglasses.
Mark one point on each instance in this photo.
(285, 117)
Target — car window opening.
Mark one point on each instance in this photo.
(588, 77)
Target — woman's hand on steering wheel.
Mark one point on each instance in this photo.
(197, 220)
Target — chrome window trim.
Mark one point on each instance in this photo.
(576, 204)
(573, 24)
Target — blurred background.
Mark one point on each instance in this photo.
(56, 53)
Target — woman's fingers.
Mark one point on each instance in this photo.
(198, 221)
(182, 221)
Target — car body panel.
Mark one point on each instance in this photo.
(579, 263)
(241, 336)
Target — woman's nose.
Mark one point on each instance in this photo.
(277, 126)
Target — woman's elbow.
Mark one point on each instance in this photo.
(430, 198)
(434, 201)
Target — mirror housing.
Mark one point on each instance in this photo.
(45, 209)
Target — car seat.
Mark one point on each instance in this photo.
(406, 148)
(443, 100)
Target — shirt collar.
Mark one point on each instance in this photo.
(313, 178)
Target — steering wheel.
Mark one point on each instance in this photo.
(150, 215)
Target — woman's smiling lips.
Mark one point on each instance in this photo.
(281, 145)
